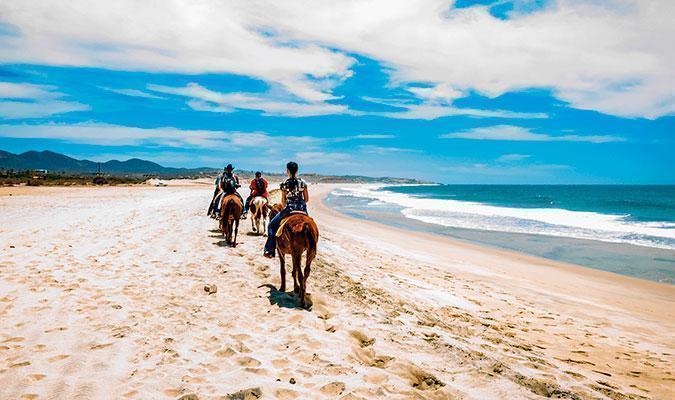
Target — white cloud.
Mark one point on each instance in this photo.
(210, 36)
(372, 136)
(613, 57)
(605, 56)
(203, 99)
(385, 150)
(25, 100)
(432, 110)
(364, 136)
(506, 158)
(322, 158)
(118, 135)
(18, 110)
(27, 91)
(131, 93)
(518, 133)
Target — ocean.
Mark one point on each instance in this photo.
(626, 229)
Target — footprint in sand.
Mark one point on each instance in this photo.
(13, 340)
(58, 358)
(59, 329)
(286, 394)
(37, 377)
(280, 363)
(20, 364)
(100, 346)
(333, 389)
(370, 358)
(228, 352)
(248, 362)
(362, 339)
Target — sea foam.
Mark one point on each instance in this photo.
(539, 221)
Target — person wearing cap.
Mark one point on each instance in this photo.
(229, 183)
(258, 187)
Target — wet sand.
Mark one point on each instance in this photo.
(102, 296)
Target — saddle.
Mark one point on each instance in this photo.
(283, 221)
(228, 197)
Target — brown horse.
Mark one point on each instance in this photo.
(297, 234)
(274, 210)
(230, 213)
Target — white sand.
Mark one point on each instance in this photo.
(102, 297)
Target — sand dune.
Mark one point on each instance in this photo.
(102, 297)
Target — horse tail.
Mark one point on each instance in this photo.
(230, 210)
(311, 240)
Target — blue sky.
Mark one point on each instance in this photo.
(457, 92)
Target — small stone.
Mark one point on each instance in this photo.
(291, 381)
(210, 289)
(246, 394)
(333, 389)
(12, 247)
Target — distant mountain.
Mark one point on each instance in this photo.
(59, 163)
(55, 162)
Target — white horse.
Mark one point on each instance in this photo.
(259, 214)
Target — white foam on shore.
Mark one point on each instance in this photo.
(539, 221)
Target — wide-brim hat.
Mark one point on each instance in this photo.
(229, 167)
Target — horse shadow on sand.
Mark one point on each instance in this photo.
(286, 299)
(255, 234)
(217, 234)
(223, 243)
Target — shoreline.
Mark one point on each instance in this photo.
(430, 240)
(605, 241)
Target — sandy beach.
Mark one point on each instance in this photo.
(102, 297)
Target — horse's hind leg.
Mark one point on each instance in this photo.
(308, 263)
(282, 271)
(236, 230)
(301, 279)
(296, 270)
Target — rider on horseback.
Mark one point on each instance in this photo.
(214, 203)
(258, 187)
(229, 183)
(294, 197)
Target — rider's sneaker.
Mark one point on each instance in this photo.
(268, 255)
(243, 216)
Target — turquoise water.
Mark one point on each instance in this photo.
(634, 202)
(624, 229)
